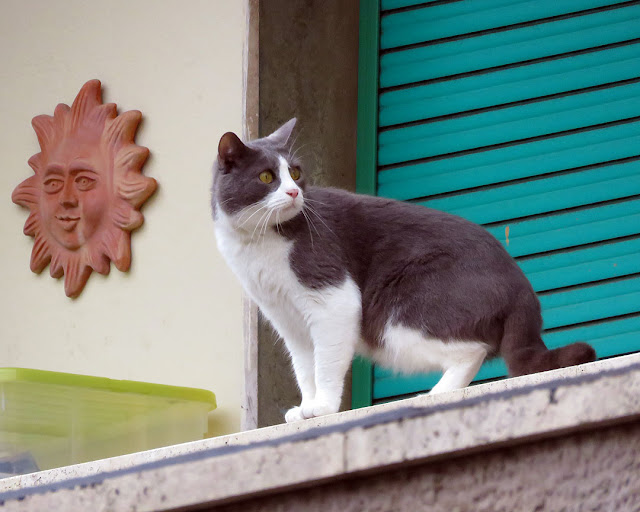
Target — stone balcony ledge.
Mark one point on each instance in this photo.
(286, 459)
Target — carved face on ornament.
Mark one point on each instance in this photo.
(75, 197)
(87, 189)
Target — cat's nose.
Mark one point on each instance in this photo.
(293, 192)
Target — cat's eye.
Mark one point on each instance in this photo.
(294, 172)
(266, 177)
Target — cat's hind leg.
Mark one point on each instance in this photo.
(411, 351)
(463, 368)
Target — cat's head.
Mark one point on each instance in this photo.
(260, 183)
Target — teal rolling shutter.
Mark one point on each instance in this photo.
(523, 116)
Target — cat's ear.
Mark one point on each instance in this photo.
(230, 150)
(281, 136)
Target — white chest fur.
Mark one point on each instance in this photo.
(261, 264)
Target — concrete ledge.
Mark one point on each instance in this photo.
(366, 441)
(591, 470)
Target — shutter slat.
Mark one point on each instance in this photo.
(534, 42)
(587, 294)
(587, 311)
(439, 10)
(511, 162)
(544, 195)
(398, 4)
(605, 261)
(598, 332)
(561, 231)
(448, 20)
(510, 85)
(510, 124)
(560, 308)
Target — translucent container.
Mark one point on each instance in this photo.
(56, 419)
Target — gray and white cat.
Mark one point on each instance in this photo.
(337, 273)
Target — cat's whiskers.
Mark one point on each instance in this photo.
(259, 223)
(298, 149)
(293, 144)
(219, 203)
(248, 208)
(309, 224)
(263, 223)
(266, 224)
(315, 201)
(245, 211)
(315, 212)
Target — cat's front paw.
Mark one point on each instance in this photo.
(316, 408)
(309, 409)
(294, 414)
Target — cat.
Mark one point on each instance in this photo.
(338, 273)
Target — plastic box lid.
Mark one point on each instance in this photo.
(51, 419)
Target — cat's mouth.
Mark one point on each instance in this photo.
(294, 204)
(289, 210)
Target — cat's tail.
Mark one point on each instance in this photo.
(543, 360)
(524, 351)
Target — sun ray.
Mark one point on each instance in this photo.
(100, 114)
(136, 189)
(45, 129)
(77, 273)
(122, 129)
(35, 162)
(132, 157)
(122, 258)
(58, 262)
(27, 194)
(41, 254)
(126, 217)
(89, 97)
(98, 261)
(60, 116)
(32, 225)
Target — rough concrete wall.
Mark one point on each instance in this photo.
(308, 69)
(592, 471)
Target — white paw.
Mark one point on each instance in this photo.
(309, 409)
(293, 414)
(315, 408)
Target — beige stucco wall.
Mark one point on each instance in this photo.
(175, 317)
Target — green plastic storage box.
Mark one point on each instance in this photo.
(51, 419)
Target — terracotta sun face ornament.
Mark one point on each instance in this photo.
(87, 189)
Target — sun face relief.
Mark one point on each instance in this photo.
(87, 189)
(75, 198)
